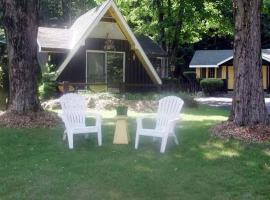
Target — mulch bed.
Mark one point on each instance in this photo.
(42, 119)
(258, 133)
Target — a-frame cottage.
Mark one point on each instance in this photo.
(100, 50)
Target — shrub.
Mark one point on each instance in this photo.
(3, 100)
(189, 100)
(190, 75)
(121, 110)
(4, 77)
(48, 87)
(169, 80)
(211, 85)
(47, 90)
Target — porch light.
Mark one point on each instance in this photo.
(158, 70)
(172, 68)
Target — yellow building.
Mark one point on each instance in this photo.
(219, 64)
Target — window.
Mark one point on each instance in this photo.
(95, 67)
(211, 72)
(105, 67)
(203, 73)
(219, 72)
(115, 62)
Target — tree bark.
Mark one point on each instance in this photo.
(20, 18)
(248, 98)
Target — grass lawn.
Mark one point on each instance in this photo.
(36, 164)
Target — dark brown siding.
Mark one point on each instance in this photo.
(134, 70)
(75, 70)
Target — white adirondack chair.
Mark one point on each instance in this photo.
(168, 113)
(74, 113)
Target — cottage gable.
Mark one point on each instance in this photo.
(104, 21)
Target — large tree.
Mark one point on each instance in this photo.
(20, 19)
(248, 99)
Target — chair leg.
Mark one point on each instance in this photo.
(64, 135)
(163, 144)
(99, 137)
(70, 140)
(175, 139)
(86, 136)
(137, 140)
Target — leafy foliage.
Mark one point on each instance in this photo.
(187, 98)
(211, 85)
(63, 12)
(190, 75)
(48, 87)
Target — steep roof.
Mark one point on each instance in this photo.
(54, 39)
(214, 58)
(75, 36)
(266, 54)
(150, 47)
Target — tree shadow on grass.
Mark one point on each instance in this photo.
(38, 163)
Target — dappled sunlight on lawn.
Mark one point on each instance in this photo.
(267, 167)
(213, 150)
(115, 195)
(200, 167)
(201, 118)
(266, 152)
(213, 155)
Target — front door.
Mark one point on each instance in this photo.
(230, 77)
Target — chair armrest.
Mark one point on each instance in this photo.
(95, 115)
(172, 123)
(140, 119)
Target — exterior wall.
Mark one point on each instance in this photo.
(134, 71)
(227, 73)
(264, 71)
(230, 77)
(161, 65)
(224, 72)
(198, 73)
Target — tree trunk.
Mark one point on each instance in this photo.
(174, 46)
(20, 19)
(248, 98)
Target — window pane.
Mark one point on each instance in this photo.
(211, 72)
(115, 68)
(203, 73)
(219, 72)
(96, 72)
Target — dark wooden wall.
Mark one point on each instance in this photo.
(75, 71)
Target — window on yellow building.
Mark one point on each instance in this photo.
(211, 72)
(219, 72)
(203, 73)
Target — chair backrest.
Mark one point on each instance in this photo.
(74, 110)
(169, 108)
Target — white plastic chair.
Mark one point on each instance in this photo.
(168, 113)
(74, 113)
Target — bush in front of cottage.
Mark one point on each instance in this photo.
(211, 86)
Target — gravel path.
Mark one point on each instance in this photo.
(224, 102)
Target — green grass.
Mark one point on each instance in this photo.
(36, 164)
